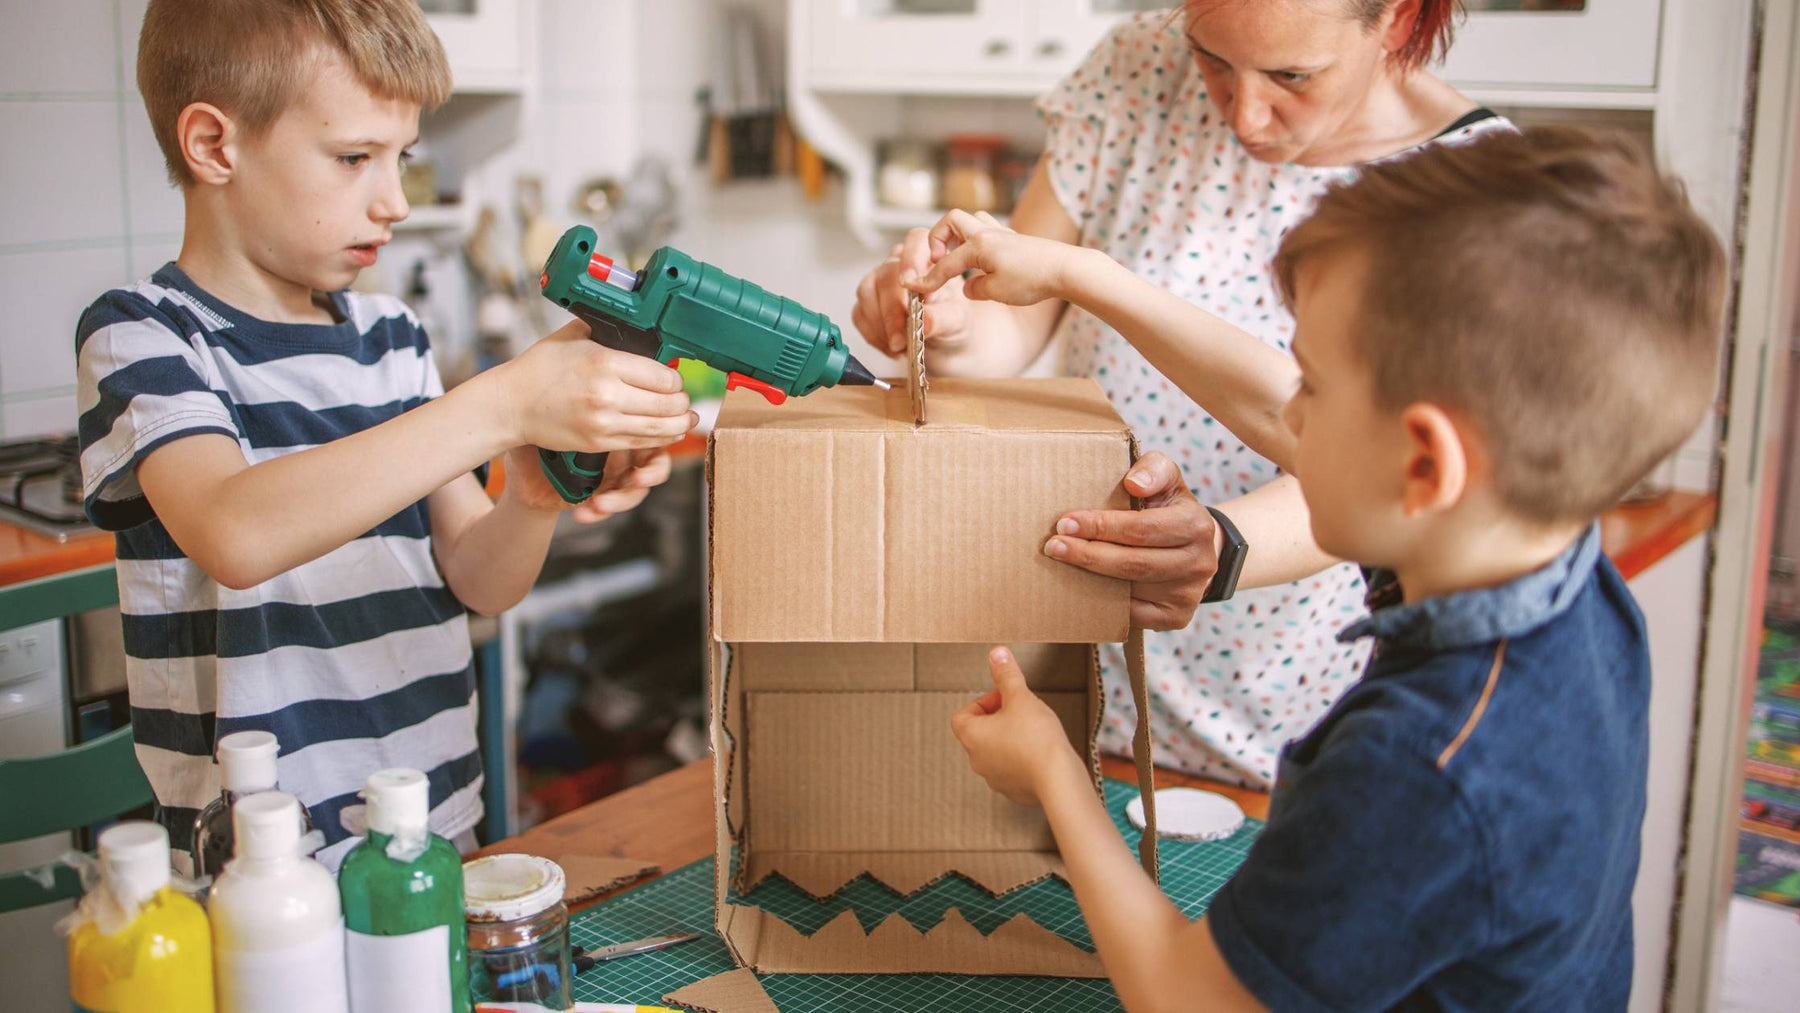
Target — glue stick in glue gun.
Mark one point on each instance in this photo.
(580, 1007)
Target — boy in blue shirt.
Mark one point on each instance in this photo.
(1495, 340)
(298, 527)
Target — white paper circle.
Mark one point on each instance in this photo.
(1189, 814)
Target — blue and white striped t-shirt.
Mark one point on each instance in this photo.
(357, 660)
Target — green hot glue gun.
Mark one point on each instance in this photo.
(679, 308)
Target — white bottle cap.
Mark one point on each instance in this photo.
(399, 801)
(506, 888)
(267, 825)
(247, 762)
(134, 859)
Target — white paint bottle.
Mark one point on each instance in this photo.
(278, 928)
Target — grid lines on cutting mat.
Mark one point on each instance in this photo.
(682, 901)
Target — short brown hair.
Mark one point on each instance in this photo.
(1549, 286)
(245, 57)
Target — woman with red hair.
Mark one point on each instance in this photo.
(1184, 146)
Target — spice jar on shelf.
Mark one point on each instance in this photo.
(970, 178)
(908, 177)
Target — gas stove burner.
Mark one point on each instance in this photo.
(40, 486)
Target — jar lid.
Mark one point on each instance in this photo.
(506, 888)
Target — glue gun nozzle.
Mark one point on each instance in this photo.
(857, 374)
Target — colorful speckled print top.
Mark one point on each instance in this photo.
(1143, 164)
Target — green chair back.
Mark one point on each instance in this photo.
(58, 792)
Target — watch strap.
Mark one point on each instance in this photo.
(1231, 559)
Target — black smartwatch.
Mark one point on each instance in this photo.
(1231, 560)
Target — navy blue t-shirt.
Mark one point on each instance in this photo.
(1460, 832)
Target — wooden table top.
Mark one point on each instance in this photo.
(668, 820)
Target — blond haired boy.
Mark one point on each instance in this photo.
(1495, 341)
(298, 528)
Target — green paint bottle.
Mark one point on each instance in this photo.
(407, 948)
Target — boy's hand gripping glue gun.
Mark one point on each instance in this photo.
(679, 308)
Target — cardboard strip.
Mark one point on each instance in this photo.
(585, 875)
(732, 992)
(917, 383)
(823, 875)
(953, 946)
(1140, 750)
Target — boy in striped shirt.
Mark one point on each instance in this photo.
(299, 529)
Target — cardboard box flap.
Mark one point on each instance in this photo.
(732, 992)
(834, 518)
(822, 875)
(953, 946)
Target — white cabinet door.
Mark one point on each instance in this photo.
(482, 41)
(1059, 33)
(1557, 44)
(881, 40)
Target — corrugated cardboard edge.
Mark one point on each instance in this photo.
(732, 992)
(823, 876)
(918, 385)
(953, 946)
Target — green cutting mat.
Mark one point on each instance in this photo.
(682, 901)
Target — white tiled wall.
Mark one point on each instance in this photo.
(84, 201)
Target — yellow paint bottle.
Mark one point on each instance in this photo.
(139, 946)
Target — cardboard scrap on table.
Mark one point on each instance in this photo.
(586, 876)
(732, 992)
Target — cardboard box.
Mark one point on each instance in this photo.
(861, 565)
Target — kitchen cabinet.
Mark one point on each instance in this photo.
(992, 47)
(1557, 45)
(861, 71)
(488, 45)
(483, 41)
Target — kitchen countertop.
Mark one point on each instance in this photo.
(27, 555)
(1636, 536)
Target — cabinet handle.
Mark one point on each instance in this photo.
(997, 48)
(1050, 48)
